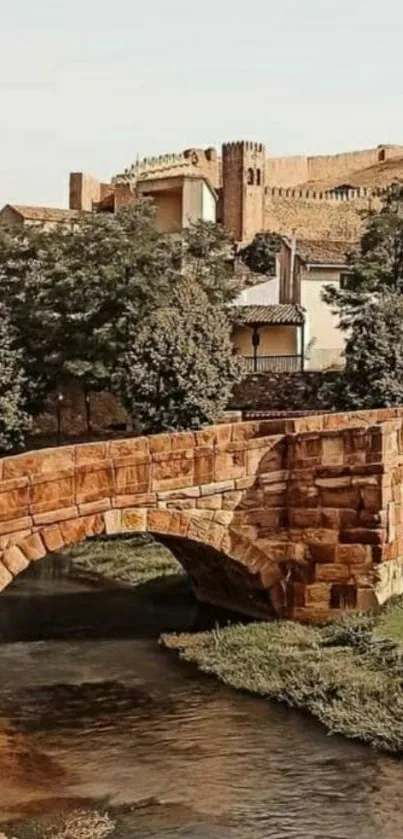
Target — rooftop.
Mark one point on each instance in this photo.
(43, 213)
(323, 251)
(281, 314)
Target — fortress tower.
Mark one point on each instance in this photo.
(243, 167)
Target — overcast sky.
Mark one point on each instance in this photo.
(89, 84)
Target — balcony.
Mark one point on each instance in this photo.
(273, 363)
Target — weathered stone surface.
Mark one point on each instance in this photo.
(290, 516)
(5, 577)
(52, 538)
(134, 520)
(15, 560)
(93, 483)
(33, 547)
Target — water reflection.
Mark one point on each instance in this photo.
(119, 723)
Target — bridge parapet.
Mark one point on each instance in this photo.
(298, 518)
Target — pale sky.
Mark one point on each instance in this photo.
(86, 85)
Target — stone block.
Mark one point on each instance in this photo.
(5, 577)
(93, 507)
(48, 492)
(158, 521)
(75, 530)
(204, 466)
(160, 443)
(14, 499)
(305, 517)
(333, 573)
(314, 613)
(14, 525)
(127, 448)
(363, 536)
(223, 434)
(172, 470)
(211, 502)
(182, 440)
(132, 475)
(230, 465)
(214, 488)
(339, 498)
(93, 483)
(146, 499)
(134, 520)
(246, 483)
(53, 516)
(52, 538)
(366, 599)
(13, 539)
(91, 452)
(179, 524)
(14, 560)
(113, 522)
(322, 553)
(198, 528)
(33, 547)
(94, 525)
(332, 450)
(233, 500)
(34, 463)
(317, 593)
(215, 535)
(338, 482)
(354, 554)
(223, 517)
(371, 498)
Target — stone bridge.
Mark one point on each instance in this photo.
(298, 518)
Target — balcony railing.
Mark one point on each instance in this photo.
(273, 363)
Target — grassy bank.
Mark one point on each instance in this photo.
(130, 561)
(348, 675)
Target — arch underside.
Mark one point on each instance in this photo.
(225, 568)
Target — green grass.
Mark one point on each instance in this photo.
(130, 561)
(348, 675)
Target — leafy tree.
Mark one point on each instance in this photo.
(181, 366)
(369, 306)
(77, 296)
(373, 375)
(14, 420)
(376, 265)
(260, 255)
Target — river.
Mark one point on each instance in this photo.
(96, 716)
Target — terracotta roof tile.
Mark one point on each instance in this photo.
(323, 251)
(44, 213)
(286, 314)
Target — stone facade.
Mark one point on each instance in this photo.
(311, 196)
(299, 518)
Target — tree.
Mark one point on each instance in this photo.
(376, 265)
(14, 420)
(260, 255)
(77, 296)
(181, 366)
(369, 306)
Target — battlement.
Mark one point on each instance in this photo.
(242, 146)
(357, 194)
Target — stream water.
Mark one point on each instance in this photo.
(95, 717)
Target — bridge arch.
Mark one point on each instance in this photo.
(294, 517)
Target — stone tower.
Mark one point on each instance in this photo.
(243, 189)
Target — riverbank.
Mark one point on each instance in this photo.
(348, 675)
(130, 561)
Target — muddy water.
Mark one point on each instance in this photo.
(100, 720)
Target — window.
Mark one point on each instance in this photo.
(258, 177)
(250, 177)
(382, 156)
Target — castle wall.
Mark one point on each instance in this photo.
(316, 218)
(332, 167)
(286, 171)
(85, 191)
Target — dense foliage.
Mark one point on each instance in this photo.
(369, 306)
(81, 300)
(260, 255)
(180, 367)
(14, 420)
